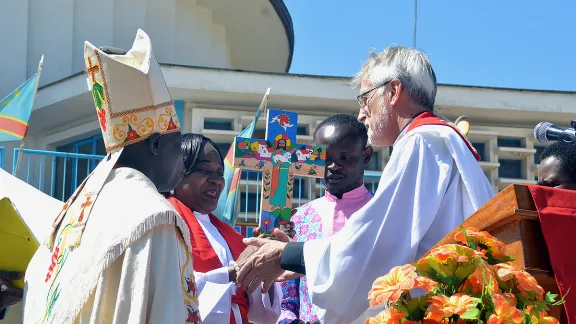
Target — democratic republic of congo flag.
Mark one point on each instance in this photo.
(226, 210)
(15, 110)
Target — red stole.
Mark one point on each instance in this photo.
(205, 258)
(428, 118)
(557, 213)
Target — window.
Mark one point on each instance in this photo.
(71, 171)
(252, 202)
(510, 169)
(509, 142)
(299, 188)
(218, 124)
(371, 183)
(539, 150)
(238, 229)
(302, 130)
(250, 175)
(259, 133)
(249, 231)
(223, 148)
(374, 163)
(481, 149)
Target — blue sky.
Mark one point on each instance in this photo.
(508, 43)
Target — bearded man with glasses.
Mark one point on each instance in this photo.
(430, 185)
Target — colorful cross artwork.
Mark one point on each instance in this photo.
(279, 158)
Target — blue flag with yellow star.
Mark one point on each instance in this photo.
(15, 111)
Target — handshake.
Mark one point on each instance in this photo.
(260, 262)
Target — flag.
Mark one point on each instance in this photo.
(16, 108)
(226, 210)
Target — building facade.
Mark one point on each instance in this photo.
(218, 57)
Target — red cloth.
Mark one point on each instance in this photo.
(428, 118)
(205, 258)
(557, 212)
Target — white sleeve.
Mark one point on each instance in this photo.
(262, 309)
(383, 234)
(219, 276)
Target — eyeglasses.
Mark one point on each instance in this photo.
(362, 99)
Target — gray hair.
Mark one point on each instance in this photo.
(408, 65)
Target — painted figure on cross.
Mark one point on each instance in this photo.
(279, 158)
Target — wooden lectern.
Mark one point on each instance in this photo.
(511, 217)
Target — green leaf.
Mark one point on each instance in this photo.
(550, 297)
(471, 314)
(469, 242)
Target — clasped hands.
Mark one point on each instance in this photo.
(260, 261)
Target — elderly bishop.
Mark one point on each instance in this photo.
(118, 251)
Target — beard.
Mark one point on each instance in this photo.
(377, 129)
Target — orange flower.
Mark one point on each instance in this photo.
(524, 281)
(548, 320)
(425, 284)
(389, 316)
(452, 251)
(444, 307)
(484, 242)
(540, 317)
(399, 280)
(483, 277)
(505, 311)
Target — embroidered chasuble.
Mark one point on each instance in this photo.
(319, 218)
(133, 265)
(215, 245)
(431, 184)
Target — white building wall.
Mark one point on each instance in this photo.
(182, 33)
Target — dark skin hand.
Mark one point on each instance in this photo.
(8, 294)
(345, 158)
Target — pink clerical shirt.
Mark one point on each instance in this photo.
(335, 212)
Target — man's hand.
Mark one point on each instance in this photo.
(8, 294)
(263, 265)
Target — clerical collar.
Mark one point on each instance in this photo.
(352, 194)
(405, 128)
(203, 217)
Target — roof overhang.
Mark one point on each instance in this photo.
(68, 102)
(253, 25)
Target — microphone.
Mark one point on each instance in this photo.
(546, 132)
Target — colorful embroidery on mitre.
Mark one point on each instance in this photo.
(171, 124)
(131, 134)
(166, 120)
(97, 93)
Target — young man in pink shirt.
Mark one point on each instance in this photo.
(347, 153)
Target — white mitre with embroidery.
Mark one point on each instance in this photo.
(118, 251)
(130, 94)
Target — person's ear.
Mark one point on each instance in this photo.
(154, 143)
(395, 90)
(367, 155)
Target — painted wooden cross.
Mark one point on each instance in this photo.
(279, 159)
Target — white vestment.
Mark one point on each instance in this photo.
(133, 264)
(431, 184)
(261, 309)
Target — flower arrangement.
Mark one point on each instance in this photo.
(469, 282)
